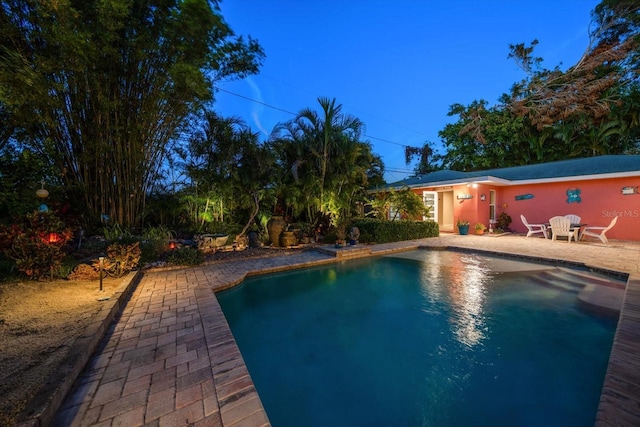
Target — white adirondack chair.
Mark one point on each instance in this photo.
(561, 227)
(575, 219)
(599, 232)
(534, 228)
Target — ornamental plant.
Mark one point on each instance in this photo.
(120, 259)
(503, 222)
(36, 244)
(185, 256)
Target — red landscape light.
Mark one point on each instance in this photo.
(172, 245)
(54, 238)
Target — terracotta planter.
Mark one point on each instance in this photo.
(275, 227)
(288, 238)
(479, 231)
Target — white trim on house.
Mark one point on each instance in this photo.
(584, 169)
(505, 182)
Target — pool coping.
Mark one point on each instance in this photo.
(620, 396)
(232, 399)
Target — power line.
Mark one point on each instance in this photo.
(294, 114)
(384, 140)
(369, 114)
(256, 101)
(397, 170)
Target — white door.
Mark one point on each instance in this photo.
(430, 200)
(492, 207)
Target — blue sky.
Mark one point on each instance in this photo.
(396, 65)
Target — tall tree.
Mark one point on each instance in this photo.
(322, 132)
(589, 109)
(595, 83)
(484, 137)
(324, 155)
(353, 167)
(233, 164)
(103, 87)
(297, 183)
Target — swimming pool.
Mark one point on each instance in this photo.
(428, 338)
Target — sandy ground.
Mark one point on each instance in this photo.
(39, 322)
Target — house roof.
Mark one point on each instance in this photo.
(599, 167)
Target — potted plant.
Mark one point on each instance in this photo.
(463, 227)
(480, 227)
(341, 234)
(504, 221)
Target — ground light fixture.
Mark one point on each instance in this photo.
(101, 270)
(102, 297)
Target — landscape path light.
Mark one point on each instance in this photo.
(101, 270)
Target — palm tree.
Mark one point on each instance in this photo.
(314, 140)
(599, 137)
(228, 160)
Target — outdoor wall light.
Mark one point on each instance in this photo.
(483, 197)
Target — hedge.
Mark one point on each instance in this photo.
(384, 231)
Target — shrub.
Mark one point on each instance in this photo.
(160, 232)
(405, 202)
(84, 272)
(330, 236)
(229, 228)
(115, 232)
(155, 242)
(504, 221)
(152, 250)
(67, 266)
(36, 245)
(384, 231)
(120, 259)
(8, 271)
(185, 256)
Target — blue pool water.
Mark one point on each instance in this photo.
(433, 338)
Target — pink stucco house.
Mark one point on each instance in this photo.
(595, 188)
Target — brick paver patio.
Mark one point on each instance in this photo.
(171, 360)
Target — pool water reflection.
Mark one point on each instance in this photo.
(424, 338)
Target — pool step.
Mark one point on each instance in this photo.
(346, 252)
(603, 299)
(595, 293)
(595, 279)
(575, 280)
(560, 280)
